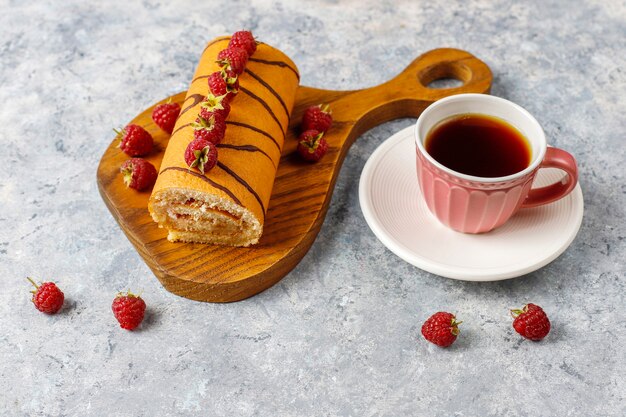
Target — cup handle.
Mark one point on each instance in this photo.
(555, 158)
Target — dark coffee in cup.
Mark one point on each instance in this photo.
(479, 145)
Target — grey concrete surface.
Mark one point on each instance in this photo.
(339, 336)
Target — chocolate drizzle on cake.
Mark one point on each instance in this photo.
(205, 179)
(199, 77)
(246, 148)
(277, 63)
(280, 64)
(270, 89)
(254, 128)
(244, 183)
(214, 41)
(240, 147)
(197, 98)
(181, 128)
(264, 104)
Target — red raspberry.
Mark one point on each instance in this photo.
(312, 145)
(201, 154)
(47, 297)
(232, 82)
(215, 104)
(244, 40)
(220, 83)
(234, 59)
(217, 84)
(128, 309)
(138, 174)
(441, 329)
(531, 322)
(212, 129)
(318, 118)
(165, 115)
(134, 140)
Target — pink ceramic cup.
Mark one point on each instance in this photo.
(475, 204)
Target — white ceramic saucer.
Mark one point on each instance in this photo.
(395, 211)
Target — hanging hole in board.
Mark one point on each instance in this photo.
(445, 75)
(447, 82)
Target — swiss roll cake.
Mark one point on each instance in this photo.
(227, 204)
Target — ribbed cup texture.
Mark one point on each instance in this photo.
(468, 206)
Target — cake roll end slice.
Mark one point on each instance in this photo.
(194, 216)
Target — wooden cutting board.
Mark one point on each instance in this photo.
(301, 193)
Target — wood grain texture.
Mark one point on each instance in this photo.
(301, 192)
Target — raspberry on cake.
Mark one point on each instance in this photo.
(217, 83)
(233, 58)
(212, 129)
(243, 39)
(232, 82)
(215, 104)
(201, 154)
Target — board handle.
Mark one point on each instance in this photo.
(408, 93)
(473, 73)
